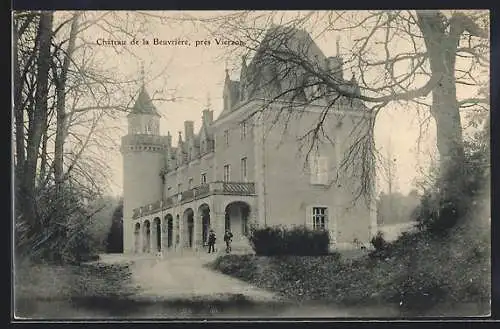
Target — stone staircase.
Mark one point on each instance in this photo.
(241, 246)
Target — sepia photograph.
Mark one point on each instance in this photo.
(248, 165)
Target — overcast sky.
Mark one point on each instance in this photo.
(198, 72)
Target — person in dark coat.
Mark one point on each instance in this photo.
(211, 241)
(228, 237)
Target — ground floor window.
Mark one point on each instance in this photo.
(320, 218)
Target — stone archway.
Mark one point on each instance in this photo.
(137, 238)
(204, 221)
(169, 223)
(236, 218)
(188, 228)
(157, 235)
(146, 246)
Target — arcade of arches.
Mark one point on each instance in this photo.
(190, 229)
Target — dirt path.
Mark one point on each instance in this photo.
(184, 277)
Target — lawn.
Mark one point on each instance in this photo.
(49, 290)
(418, 274)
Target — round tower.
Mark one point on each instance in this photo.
(143, 151)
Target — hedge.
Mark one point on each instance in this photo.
(280, 240)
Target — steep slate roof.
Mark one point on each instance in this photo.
(264, 70)
(144, 104)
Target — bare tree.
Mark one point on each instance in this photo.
(64, 104)
(399, 57)
(37, 114)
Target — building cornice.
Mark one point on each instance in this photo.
(271, 104)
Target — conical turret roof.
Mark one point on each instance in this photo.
(144, 104)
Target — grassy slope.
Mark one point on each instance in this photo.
(421, 272)
(55, 282)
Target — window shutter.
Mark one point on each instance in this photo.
(309, 217)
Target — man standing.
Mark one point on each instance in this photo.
(211, 241)
(228, 237)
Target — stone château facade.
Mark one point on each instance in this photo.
(246, 166)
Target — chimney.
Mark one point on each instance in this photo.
(335, 66)
(180, 138)
(188, 130)
(208, 117)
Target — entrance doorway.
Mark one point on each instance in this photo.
(204, 214)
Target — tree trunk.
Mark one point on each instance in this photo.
(43, 154)
(19, 30)
(442, 48)
(18, 115)
(40, 112)
(61, 105)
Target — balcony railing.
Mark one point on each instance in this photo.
(198, 192)
(238, 188)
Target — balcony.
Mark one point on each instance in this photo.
(198, 192)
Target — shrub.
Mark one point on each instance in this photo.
(381, 247)
(438, 213)
(435, 215)
(279, 240)
(378, 242)
(62, 232)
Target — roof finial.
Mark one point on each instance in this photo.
(338, 45)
